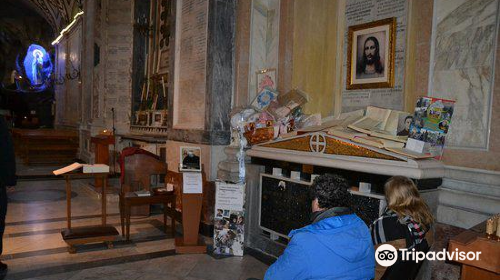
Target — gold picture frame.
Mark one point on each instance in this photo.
(371, 54)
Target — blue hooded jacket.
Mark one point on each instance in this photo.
(337, 247)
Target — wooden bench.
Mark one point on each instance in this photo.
(48, 146)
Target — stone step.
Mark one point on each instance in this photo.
(476, 188)
(472, 175)
(487, 204)
(460, 217)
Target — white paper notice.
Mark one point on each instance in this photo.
(229, 196)
(415, 145)
(192, 182)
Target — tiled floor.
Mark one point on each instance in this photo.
(34, 249)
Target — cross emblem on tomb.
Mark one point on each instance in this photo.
(317, 143)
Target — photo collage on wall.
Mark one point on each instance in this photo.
(431, 122)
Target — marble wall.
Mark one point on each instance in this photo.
(463, 65)
(117, 65)
(68, 94)
(242, 52)
(87, 102)
(314, 54)
(363, 11)
(264, 40)
(60, 89)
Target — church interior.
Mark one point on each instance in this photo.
(192, 139)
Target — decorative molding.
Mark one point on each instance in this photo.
(416, 169)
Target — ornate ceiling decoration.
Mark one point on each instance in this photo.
(58, 13)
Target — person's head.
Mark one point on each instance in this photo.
(371, 56)
(240, 219)
(408, 122)
(403, 198)
(371, 50)
(328, 191)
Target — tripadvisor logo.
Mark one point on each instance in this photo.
(386, 255)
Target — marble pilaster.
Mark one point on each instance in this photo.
(264, 40)
(462, 65)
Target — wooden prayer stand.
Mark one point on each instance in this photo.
(488, 265)
(191, 242)
(102, 143)
(87, 234)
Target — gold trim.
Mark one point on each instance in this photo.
(392, 49)
(333, 147)
(338, 147)
(297, 144)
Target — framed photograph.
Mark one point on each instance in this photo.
(190, 159)
(157, 118)
(370, 55)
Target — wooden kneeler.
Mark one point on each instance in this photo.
(87, 234)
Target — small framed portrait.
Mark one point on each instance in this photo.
(266, 79)
(157, 118)
(370, 55)
(190, 159)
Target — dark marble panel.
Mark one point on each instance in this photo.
(141, 10)
(220, 62)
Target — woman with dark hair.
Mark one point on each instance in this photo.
(405, 224)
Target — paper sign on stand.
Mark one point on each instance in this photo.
(192, 182)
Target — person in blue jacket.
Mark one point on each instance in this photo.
(336, 245)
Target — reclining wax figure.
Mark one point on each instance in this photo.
(406, 223)
(336, 245)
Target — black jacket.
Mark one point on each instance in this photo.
(7, 158)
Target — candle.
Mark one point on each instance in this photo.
(490, 229)
(498, 228)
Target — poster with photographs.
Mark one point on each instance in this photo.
(229, 220)
(431, 122)
(371, 51)
(190, 159)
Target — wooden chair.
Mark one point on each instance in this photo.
(138, 170)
